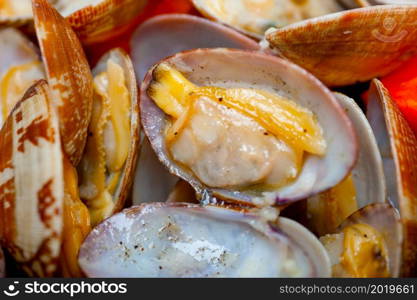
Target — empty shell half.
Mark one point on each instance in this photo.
(186, 240)
(269, 136)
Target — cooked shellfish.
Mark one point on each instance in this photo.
(352, 46)
(255, 17)
(244, 177)
(108, 164)
(93, 20)
(398, 146)
(367, 244)
(20, 68)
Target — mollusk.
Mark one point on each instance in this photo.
(367, 244)
(205, 67)
(31, 183)
(20, 68)
(94, 21)
(366, 185)
(352, 46)
(150, 43)
(186, 240)
(107, 167)
(255, 17)
(398, 147)
(68, 74)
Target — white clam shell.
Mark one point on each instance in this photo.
(184, 240)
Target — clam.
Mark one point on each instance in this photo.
(93, 20)
(108, 164)
(351, 46)
(32, 183)
(365, 185)
(260, 166)
(20, 67)
(68, 74)
(155, 39)
(187, 240)
(45, 241)
(367, 244)
(255, 17)
(398, 147)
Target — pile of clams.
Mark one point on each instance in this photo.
(235, 141)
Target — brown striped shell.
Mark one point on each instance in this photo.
(31, 183)
(398, 146)
(351, 46)
(15, 49)
(94, 21)
(69, 76)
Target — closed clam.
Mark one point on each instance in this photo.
(398, 147)
(186, 240)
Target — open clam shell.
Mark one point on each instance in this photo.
(69, 76)
(155, 39)
(398, 146)
(15, 50)
(255, 17)
(367, 175)
(383, 218)
(186, 240)
(31, 183)
(352, 46)
(206, 67)
(103, 138)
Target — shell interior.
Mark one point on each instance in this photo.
(205, 67)
(184, 240)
